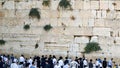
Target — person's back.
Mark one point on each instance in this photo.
(81, 63)
(90, 64)
(1, 63)
(33, 65)
(104, 64)
(13, 65)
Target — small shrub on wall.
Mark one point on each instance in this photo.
(26, 27)
(34, 13)
(2, 42)
(36, 45)
(64, 4)
(46, 3)
(47, 27)
(92, 46)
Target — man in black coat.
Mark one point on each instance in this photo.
(104, 64)
(1, 63)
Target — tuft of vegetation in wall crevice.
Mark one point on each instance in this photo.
(91, 47)
(46, 3)
(2, 42)
(26, 27)
(36, 45)
(47, 27)
(64, 4)
(34, 13)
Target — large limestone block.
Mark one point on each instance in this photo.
(1, 7)
(111, 23)
(104, 13)
(111, 15)
(117, 40)
(29, 5)
(104, 4)
(63, 22)
(85, 22)
(85, 14)
(9, 5)
(77, 22)
(54, 4)
(20, 13)
(45, 13)
(4, 29)
(86, 5)
(9, 13)
(65, 14)
(99, 22)
(57, 47)
(2, 14)
(39, 23)
(94, 5)
(111, 5)
(81, 39)
(78, 4)
(65, 38)
(117, 15)
(101, 31)
(91, 22)
(73, 47)
(54, 14)
(72, 2)
(78, 31)
(94, 39)
(81, 47)
(93, 14)
(49, 38)
(53, 22)
(56, 30)
(117, 6)
(99, 14)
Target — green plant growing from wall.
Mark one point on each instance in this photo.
(36, 45)
(46, 3)
(92, 46)
(26, 27)
(64, 4)
(34, 13)
(2, 42)
(47, 27)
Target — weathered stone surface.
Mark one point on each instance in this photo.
(2, 14)
(101, 31)
(99, 22)
(94, 5)
(94, 39)
(104, 4)
(81, 39)
(79, 4)
(9, 5)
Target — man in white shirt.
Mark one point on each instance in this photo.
(73, 64)
(97, 63)
(60, 62)
(21, 59)
(54, 60)
(110, 63)
(14, 64)
(57, 66)
(85, 63)
(30, 61)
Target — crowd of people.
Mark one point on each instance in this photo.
(44, 61)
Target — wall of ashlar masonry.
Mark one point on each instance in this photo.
(95, 20)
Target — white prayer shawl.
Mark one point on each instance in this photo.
(13, 65)
(73, 64)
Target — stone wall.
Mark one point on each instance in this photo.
(94, 20)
